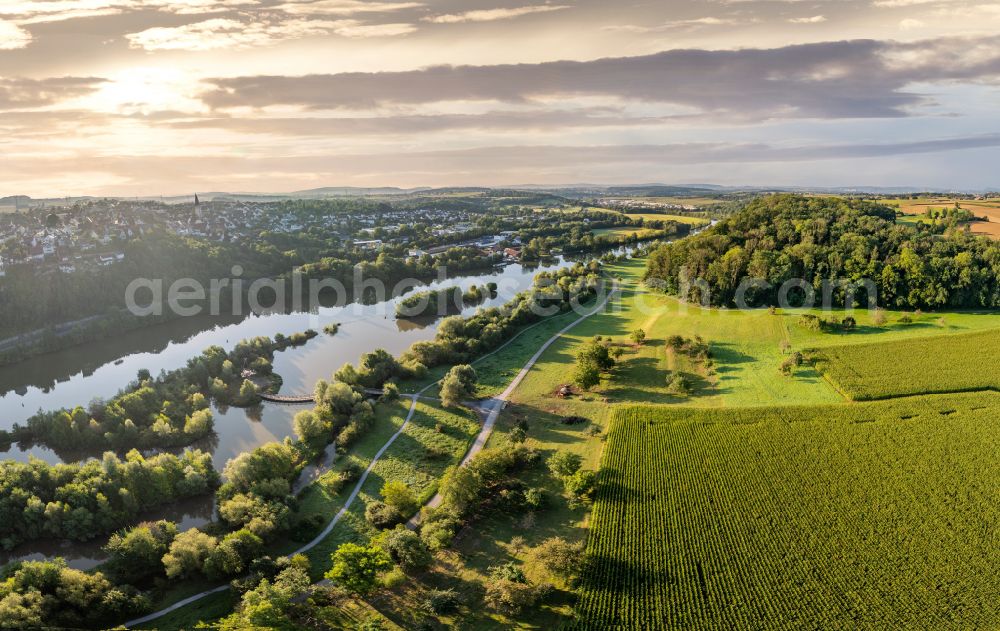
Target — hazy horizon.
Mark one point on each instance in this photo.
(375, 189)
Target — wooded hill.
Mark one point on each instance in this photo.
(783, 237)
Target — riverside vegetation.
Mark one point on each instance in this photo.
(170, 410)
(255, 505)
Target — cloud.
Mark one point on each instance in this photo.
(895, 4)
(343, 7)
(816, 19)
(691, 24)
(493, 165)
(32, 12)
(352, 28)
(225, 33)
(489, 15)
(535, 120)
(27, 93)
(41, 11)
(678, 153)
(13, 36)
(910, 24)
(849, 79)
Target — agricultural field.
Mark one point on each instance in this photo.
(899, 325)
(913, 209)
(844, 516)
(686, 201)
(625, 232)
(910, 367)
(688, 219)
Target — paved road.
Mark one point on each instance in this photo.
(497, 404)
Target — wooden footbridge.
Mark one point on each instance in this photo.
(287, 398)
(306, 398)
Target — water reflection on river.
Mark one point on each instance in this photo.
(77, 375)
(69, 378)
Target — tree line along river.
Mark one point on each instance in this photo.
(100, 369)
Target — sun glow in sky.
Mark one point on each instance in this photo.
(134, 97)
(144, 90)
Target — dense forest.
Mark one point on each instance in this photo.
(783, 237)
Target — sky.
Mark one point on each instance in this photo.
(170, 97)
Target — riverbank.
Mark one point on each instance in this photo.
(238, 430)
(191, 608)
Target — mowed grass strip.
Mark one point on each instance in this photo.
(953, 363)
(868, 516)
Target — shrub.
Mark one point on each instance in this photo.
(438, 528)
(307, 527)
(517, 435)
(393, 578)
(357, 568)
(810, 322)
(381, 515)
(390, 392)
(535, 499)
(560, 557)
(458, 384)
(564, 463)
(508, 590)
(405, 548)
(441, 601)
(678, 384)
(188, 553)
(581, 485)
(399, 496)
(138, 553)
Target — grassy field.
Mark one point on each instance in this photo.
(746, 349)
(499, 538)
(911, 367)
(896, 327)
(625, 232)
(688, 219)
(849, 516)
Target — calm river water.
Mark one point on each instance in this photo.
(100, 369)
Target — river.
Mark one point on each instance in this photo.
(100, 369)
